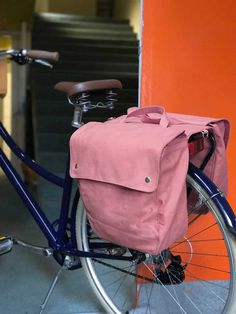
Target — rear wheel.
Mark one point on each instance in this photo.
(195, 275)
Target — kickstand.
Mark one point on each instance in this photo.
(50, 290)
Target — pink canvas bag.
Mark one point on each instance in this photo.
(216, 168)
(132, 173)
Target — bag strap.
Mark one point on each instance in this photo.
(145, 115)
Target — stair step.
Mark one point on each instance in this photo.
(53, 76)
(47, 93)
(50, 199)
(73, 25)
(61, 124)
(72, 38)
(91, 47)
(55, 163)
(52, 124)
(52, 142)
(78, 31)
(91, 75)
(48, 191)
(43, 108)
(52, 108)
(101, 57)
(65, 18)
(51, 208)
(85, 42)
(48, 78)
(82, 65)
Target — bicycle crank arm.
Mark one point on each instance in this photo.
(6, 244)
(44, 251)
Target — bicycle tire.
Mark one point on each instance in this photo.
(200, 292)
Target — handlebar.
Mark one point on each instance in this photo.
(24, 56)
(41, 54)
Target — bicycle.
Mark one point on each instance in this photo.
(125, 280)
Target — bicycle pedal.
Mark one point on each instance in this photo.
(6, 244)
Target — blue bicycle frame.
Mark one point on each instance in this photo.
(55, 238)
(216, 195)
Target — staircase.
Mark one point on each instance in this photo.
(90, 49)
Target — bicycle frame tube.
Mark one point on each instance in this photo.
(27, 198)
(65, 204)
(28, 161)
(55, 238)
(216, 195)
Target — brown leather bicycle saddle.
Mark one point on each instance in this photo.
(74, 88)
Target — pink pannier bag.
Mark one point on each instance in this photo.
(216, 168)
(132, 173)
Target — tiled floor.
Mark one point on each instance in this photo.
(25, 277)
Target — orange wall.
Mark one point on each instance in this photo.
(189, 61)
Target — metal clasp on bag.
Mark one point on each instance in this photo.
(205, 134)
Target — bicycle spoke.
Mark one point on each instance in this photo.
(190, 300)
(194, 219)
(124, 271)
(207, 250)
(124, 277)
(207, 267)
(165, 288)
(115, 281)
(197, 233)
(206, 281)
(110, 271)
(170, 278)
(203, 254)
(149, 298)
(203, 282)
(203, 240)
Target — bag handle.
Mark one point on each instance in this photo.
(144, 115)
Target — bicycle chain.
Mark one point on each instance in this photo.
(175, 269)
(125, 271)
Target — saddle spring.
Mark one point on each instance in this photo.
(87, 101)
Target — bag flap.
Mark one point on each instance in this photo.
(194, 124)
(124, 154)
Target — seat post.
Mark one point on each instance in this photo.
(77, 118)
